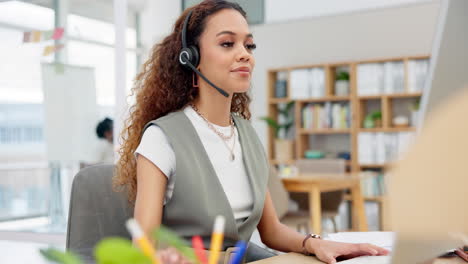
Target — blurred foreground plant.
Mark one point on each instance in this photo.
(116, 250)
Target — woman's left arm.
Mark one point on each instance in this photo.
(280, 237)
(276, 235)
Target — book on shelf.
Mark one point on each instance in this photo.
(326, 116)
(370, 78)
(307, 83)
(382, 148)
(394, 77)
(417, 75)
(281, 85)
(380, 78)
(372, 184)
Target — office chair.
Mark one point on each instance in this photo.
(330, 201)
(298, 220)
(96, 211)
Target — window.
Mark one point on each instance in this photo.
(24, 172)
(94, 30)
(20, 68)
(25, 15)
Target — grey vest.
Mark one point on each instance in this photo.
(198, 196)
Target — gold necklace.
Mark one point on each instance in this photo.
(225, 138)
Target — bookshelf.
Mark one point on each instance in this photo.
(387, 85)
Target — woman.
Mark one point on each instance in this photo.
(197, 156)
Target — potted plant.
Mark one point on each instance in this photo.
(283, 148)
(415, 112)
(342, 83)
(373, 119)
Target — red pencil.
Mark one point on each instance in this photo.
(197, 244)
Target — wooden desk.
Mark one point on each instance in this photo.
(293, 258)
(314, 184)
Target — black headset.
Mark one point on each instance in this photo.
(189, 57)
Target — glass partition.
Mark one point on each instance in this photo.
(49, 111)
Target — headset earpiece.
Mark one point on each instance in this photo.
(195, 59)
(191, 55)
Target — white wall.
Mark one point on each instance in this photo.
(390, 32)
(157, 20)
(280, 10)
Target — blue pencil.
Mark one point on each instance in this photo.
(237, 258)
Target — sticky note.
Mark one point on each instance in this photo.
(48, 50)
(47, 35)
(26, 37)
(58, 33)
(36, 36)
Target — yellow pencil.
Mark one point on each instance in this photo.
(217, 239)
(142, 241)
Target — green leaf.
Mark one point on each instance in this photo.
(416, 104)
(376, 115)
(58, 256)
(116, 250)
(288, 125)
(272, 123)
(342, 76)
(163, 234)
(285, 111)
(289, 106)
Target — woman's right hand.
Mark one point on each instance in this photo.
(172, 256)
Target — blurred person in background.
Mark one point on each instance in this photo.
(105, 148)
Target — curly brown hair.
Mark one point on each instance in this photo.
(164, 86)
